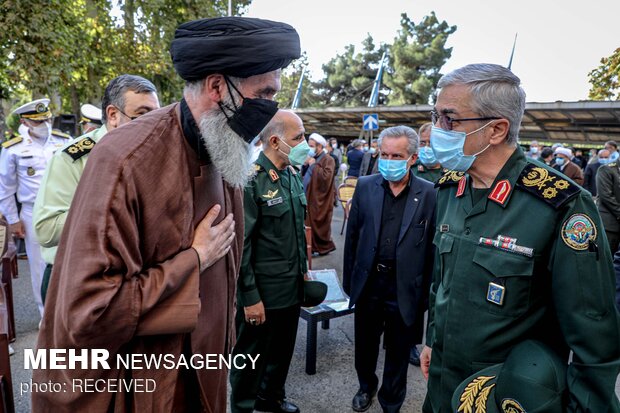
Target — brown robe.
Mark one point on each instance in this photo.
(574, 172)
(320, 194)
(127, 280)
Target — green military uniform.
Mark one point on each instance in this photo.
(525, 259)
(272, 270)
(422, 171)
(55, 194)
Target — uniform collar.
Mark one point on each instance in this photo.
(503, 186)
(98, 133)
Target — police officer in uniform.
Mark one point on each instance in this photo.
(426, 167)
(271, 280)
(497, 282)
(22, 163)
(125, 98)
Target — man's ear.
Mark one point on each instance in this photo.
(500, 130)
(274, 142)
(112, 115)
(215, 86)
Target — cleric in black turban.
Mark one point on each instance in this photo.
(234, 46)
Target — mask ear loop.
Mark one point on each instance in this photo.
(477, 130)
(223, 106)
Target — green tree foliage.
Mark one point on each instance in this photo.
(605, 79)
(416, 57)
(349, 76)
(70, 49)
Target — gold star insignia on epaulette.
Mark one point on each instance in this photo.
(546, 184)
(80, 148)
(271, 194)
(450, 178)
(257, 167)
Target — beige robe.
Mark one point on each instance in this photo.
(127, 280)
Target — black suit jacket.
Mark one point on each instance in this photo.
(414, 251)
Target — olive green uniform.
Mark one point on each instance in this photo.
(272, 270)
(526, 259)
(422, 171)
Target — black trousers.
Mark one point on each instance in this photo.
(376, 313)
(275, 342)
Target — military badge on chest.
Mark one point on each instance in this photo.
(496, 292)
(270, 196)
(578, 232)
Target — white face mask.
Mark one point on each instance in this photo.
(42, 131)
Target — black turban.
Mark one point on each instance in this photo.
(234, 46)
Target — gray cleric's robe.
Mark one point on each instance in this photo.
(127, 280)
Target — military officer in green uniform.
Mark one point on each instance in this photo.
(426, 167)
(521, 253)
(270, 287)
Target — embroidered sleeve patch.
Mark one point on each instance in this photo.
(79, 148)
(546, 185)
(577, 231)
(449, 178)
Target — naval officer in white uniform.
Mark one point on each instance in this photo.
(22, 163)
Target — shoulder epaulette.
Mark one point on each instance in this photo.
(60, 134)
(12, 142)
(258, 167)
(79, 148)
(547, 185)
(449, 178)
(613, 164)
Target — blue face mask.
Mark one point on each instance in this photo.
(559, 161)
(614, 156)
(427, 156)
(311, 151)
(372, 150)
(448, 148)
(393, 170)
(603, 161)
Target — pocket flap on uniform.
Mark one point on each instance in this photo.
(503, 263)
(275, 207)
(443, 242)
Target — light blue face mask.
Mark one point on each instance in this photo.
(372, 150)
(448, 148)
(427, 156)
(559, 161)
(311, 151)
(298, 153)
(614, 156)
(603, 161)
(393, 170)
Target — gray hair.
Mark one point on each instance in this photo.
(115, 91)
(399, 132)
(195, 87)
(495, 91)
(424, 127)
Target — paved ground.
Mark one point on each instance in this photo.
(330, 390)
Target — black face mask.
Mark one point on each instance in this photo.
(251, 117)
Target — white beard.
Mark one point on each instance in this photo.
(228, 152)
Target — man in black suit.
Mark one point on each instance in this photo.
(388, 262)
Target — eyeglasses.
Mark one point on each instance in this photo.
(126, 115)
(445, 121)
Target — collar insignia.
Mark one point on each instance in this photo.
(501, 192)
(460, 190)
(273, 175)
